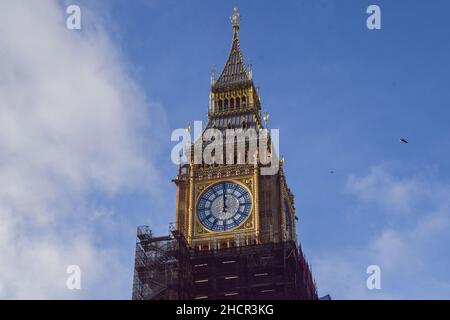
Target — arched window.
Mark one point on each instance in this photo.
(225, 107)
(231, 103)
(244, 101)
(220, 105)
(238, 102)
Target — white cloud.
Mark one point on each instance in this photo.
(70, 126)
(411, 248)
(378, 188)
(339, 277)
(389, 249)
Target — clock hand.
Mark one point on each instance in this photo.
(224, 198)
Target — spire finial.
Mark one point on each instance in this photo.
(235, 18)
(213, 75)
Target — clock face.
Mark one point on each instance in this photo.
(224, 206)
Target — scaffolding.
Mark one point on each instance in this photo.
(162, 267)
(271, 271)
(167, 268)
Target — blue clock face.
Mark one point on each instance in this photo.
(224, 206)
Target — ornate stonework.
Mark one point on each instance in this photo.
(235, 103)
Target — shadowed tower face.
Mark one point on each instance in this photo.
(227, 205)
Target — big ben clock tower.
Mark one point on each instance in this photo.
(234, 235)
(224, 205)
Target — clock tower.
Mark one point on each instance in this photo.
(234, 236)
(231, 203)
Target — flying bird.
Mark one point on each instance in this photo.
(404, 141)
(332, 171)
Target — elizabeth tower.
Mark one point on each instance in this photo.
(235, 216)
(223, 205)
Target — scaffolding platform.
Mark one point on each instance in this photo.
(167, 268)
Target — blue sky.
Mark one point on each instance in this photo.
(340, 94)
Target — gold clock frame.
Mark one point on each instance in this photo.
(201, 232)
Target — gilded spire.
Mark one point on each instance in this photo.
(234, 70)
(235, 18)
